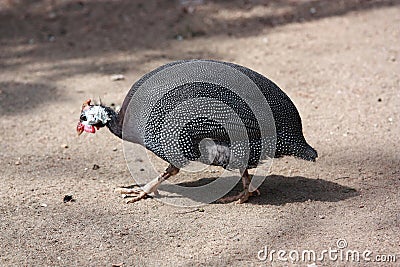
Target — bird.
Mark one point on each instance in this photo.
(205, 130)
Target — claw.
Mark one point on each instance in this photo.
(150, 187)
(241, 198)
(141, 195)
(134, 194)
(127, 191)
(231, 198)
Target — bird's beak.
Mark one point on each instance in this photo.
(80, 128)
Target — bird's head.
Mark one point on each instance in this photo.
(92, 117)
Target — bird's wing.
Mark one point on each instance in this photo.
(223, 131)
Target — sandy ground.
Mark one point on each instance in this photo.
(337, 60)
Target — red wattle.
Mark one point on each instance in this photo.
(89, 129)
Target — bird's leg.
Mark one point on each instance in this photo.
(150, 187)
(245, 194)
(247, 191)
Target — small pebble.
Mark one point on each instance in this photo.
(17, 162)
(117, 77)
(51, 38)
(64, 145)
(115, 149)
(68, 198)
(95, 167)
(189, 9)
(52, 15)
(321, 216)
(44, 205)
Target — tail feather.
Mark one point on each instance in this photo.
(307, 153)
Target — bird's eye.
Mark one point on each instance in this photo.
(83, 117)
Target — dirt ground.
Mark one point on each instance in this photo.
(337, 60)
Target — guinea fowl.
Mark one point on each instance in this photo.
(202, 139)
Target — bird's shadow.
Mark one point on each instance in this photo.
(275, 190)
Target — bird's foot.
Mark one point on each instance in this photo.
(139, 196)
(241, 198)
(134, 194)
